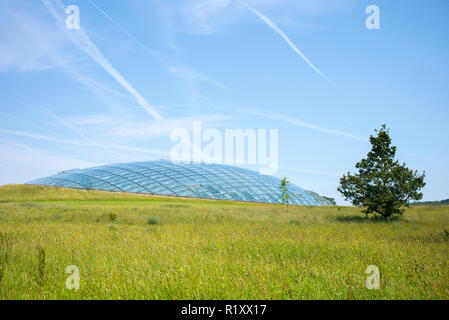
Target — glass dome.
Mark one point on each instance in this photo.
(208, 181)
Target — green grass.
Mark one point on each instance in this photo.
(144, 247)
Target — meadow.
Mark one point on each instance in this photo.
(130, 246)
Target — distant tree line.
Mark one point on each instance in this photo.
(430, 203)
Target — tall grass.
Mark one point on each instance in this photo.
(40, 268)
(195, 249)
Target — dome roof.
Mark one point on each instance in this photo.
(209, 181)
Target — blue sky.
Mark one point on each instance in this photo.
(115, 89)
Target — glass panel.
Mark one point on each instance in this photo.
(186, 179)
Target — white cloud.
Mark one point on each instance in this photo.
(300, 123)
(323, 7)
(90, 83)
(78, 143)
(26, 42)
(192, 74)
(16, 167)
(83, 41)
(202, 12)
(128, 127)
(207, 16)
(287, 119)
(181, 71)
(64, 122)
(29, 42)
(275, 28)
(153, 53)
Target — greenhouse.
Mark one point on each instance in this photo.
(195, 180)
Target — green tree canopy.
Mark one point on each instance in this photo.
(285, 193)
(382, 184)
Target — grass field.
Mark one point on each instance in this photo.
(143, 247)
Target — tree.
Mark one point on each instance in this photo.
(331, 200)
(382, 185)
(285, 194)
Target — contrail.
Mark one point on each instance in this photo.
(83, 143)
(151, 52)
(304, 124)
(273, 26)
(91, 83)
(84, 43)
(19, 145)
(180, 71)
(62, 121)
(290, 120)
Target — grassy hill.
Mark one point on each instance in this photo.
(131, 246)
